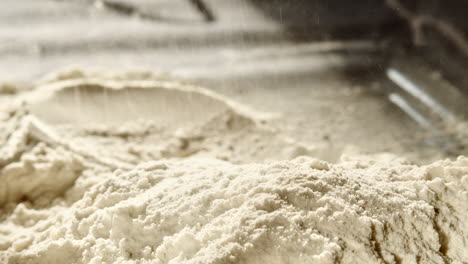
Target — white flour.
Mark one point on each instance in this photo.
(193, 195)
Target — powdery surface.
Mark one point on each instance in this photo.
(210, 211)
(224, 189)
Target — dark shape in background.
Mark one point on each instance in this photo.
(332, 19)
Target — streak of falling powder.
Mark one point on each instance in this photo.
(106, 104)
(77, 97)
(129, 102)
(242, 22)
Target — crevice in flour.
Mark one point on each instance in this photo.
(443, 238)
(376, 244)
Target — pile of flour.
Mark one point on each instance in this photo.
(224, 188)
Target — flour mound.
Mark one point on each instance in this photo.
(298, 211)
(70, 125)
(98, 169)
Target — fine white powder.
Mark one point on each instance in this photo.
(210, 211)
(86, 197)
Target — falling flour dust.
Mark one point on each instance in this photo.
(148, 170)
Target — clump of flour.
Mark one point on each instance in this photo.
(214, 186)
